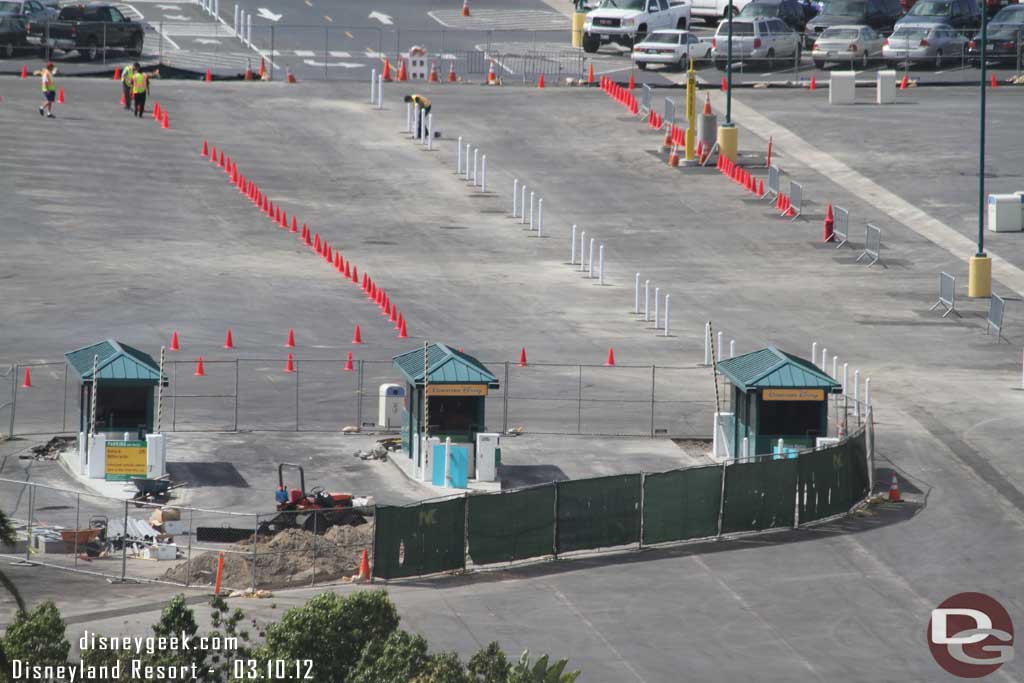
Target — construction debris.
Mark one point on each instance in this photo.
(285, 559)
(52, 449)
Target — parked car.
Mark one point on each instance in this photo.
(759, 40)
(1004, 35)
(923, 44)
(880, 15)
(671, 48)
(790, 11)
(628, 22)
(713, 10)
(88, 29)
(955, 13)
(847, 45)
(12, 29)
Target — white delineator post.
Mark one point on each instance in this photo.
(533, 205)
(647, 300)
(540, 217)
(600, 265)
(515, 194)
(746, 447)
(483, 173)
(657, 306)
(846, 377)
(867, 394)
(835, 367)
(636, 292)
(583, 255)
(430, 132)
(707, 344)
(522, 205)
(235, 24)
(719, 355)
(476, 158)
(856, 393)
(590, 259)
(380, 91)
(248, 29)
(423, 129)
(458, 168)
(824, 360)
(373, 87)
(668, 300)
(572, 246)
(814, 353)
(447, 461)
(468, 147)
(408, 127)
(732, 348)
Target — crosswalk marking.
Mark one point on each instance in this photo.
(506, 19)
(180, 29)
(304, 53)
(340, 54)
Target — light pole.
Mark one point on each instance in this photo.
(979, 269)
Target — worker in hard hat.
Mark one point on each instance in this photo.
(424, 109)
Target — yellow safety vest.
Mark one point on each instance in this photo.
(422, 101)
(49, 84)
(139, 83)
(127, 74)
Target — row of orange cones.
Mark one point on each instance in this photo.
(753, 185)
(159, 114)
(620, 94)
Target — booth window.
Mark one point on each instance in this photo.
(122, 407)
(793, 418)
(453, 413)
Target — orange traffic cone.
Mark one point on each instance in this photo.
(590, 75)
(306, 239)
(452, 78)
(26, 383)
(174, 342)
(349, 367)
(994, 83)
(357, 337)
(206, 149)
(166, 122)
(725, 84)
(760, 188)
(403, 333)
(200, 370)
(229, 342)
(156, 111)
(24, 71)
(209, 76)
(263, 68)
(386, 71)
(355, 275)
(291, 339)
(540, 82)
(289, 365)
(894, 490)
(117, 73)
(364, 569)
(673, 157)
(522, 357)
(289, 76)
(248, 72)
(904, 82)
(433, 78)
(295, 225)
(829, 224)
(632, 82)
(122, 99)
(707, 104)
(611, 357)
(465, 8)
(60, 93)
(492, 78)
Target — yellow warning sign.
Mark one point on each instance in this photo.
(126, 459)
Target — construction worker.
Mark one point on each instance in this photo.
(140, 88)
(127, 74)
(49, 89)
(424, 110)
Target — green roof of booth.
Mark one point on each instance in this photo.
(117, 362)
(775, 369)
(445, 366)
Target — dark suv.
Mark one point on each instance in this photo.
(790, 11)
(880, 15)
(955, 13)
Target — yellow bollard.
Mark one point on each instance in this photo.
(979, 277)
(728, 141)
(577, 28)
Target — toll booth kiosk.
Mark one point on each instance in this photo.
(775, 395)
(457, 385)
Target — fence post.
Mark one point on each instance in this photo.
(236, 394)
(316, 526)
(188, 556)
(721, 497)
(124, 544)
(296, 396)
(64, 409)
(554, 535)
(78, 522)
(579, 401)
(653, 371)
(28, 528)
(255, 533)
(359, 396)
(504, 407)
(640, 536)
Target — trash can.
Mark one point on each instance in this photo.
(389, 410)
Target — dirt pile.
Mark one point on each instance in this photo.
(283, 560)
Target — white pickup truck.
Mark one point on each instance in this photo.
(712, 11)
(629, 21)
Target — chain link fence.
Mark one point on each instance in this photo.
(128, 540)
(256, 394)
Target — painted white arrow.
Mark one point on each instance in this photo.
(381, 17)
(267, 14)
(208, 41)
(177, 17)
(343, 65)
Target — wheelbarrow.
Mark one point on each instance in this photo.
(151, 491)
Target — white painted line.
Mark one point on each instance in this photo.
(434, 17)
(340, 54)
(304, 53)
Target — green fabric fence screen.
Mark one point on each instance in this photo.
(681, 504)
(598, 513)
(421, 539)
(759, 495)
(516, 525)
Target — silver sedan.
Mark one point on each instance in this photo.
(923, 44)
